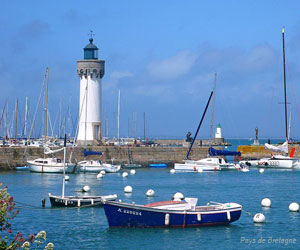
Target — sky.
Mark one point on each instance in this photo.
(162, 55)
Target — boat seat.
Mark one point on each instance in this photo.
(192, 202)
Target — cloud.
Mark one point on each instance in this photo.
(28, 32)
(115, 77)
(34, 29)
(258, 58)
(172, 67)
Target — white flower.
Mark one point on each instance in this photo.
(41, 235)
(26, 245)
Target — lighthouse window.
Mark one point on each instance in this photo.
(95, 54)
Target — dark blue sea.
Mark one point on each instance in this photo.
(87, 228)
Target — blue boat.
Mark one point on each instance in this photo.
(22, 168)
(158, 165)
(171, 214)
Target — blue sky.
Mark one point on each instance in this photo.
(162, 55)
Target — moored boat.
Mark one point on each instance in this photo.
(171, 214)
(49, 165)
(77, 201)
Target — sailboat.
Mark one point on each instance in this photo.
(281, 160)
(77, 201)
(212, 163)
(50, 164)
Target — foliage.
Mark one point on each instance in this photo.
(7, 240)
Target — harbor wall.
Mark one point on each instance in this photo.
(11, 157)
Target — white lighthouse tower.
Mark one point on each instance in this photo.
(90, 71)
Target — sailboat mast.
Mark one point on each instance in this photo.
(26, 114)
(64, 170)
(187, 155)
(144, 126)
(119, 116)
(16, 126)
(46, 109)
(212, 111)
(284, 78)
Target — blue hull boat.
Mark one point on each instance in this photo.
(171, 214)
(158, 165)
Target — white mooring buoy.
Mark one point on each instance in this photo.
(200, 170)
(266, 202)
(132, 171)
(102, 172)
(128, 189)
(150, 193)
(86, 188)
(178, 196)
(261, 170)
(67, 178)
(172, 171)
(125, 174)
(259, 218)
(294, 207)
(99, 176)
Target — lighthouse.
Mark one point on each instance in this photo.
(90, 71)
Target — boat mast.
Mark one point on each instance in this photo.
(46, 109)
(212, 112)
(86, 102)
(284, 78)
(187, 156)
(64, 170)
(16, 126)
(144, 126)
(118, 121)
(26, 115)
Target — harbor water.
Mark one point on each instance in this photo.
(87, 228)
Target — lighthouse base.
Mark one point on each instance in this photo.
(89, 142)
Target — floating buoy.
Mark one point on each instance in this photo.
(125, 174)
(102, 172)
(86, 188)
(259, 218)
(200, 170)
(132, 171)
(172, 171)
(128, 189)
(266, 202)
(99, 176)
(150, 193)
(294, 207)
(261, 170)
(67, 178)
(178, 196)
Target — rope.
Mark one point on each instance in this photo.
(31, 207)
(247, 212)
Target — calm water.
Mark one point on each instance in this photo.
(87, 228)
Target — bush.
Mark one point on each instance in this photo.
(7, 239)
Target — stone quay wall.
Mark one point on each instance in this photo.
(11, 157)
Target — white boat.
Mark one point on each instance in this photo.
(206, 164)
(94, 166)
(49, 165)
(275, 161)
(278, 161)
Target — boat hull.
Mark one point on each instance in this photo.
(119, 215)
(79, 201)
(273, 163)
(50, 168)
